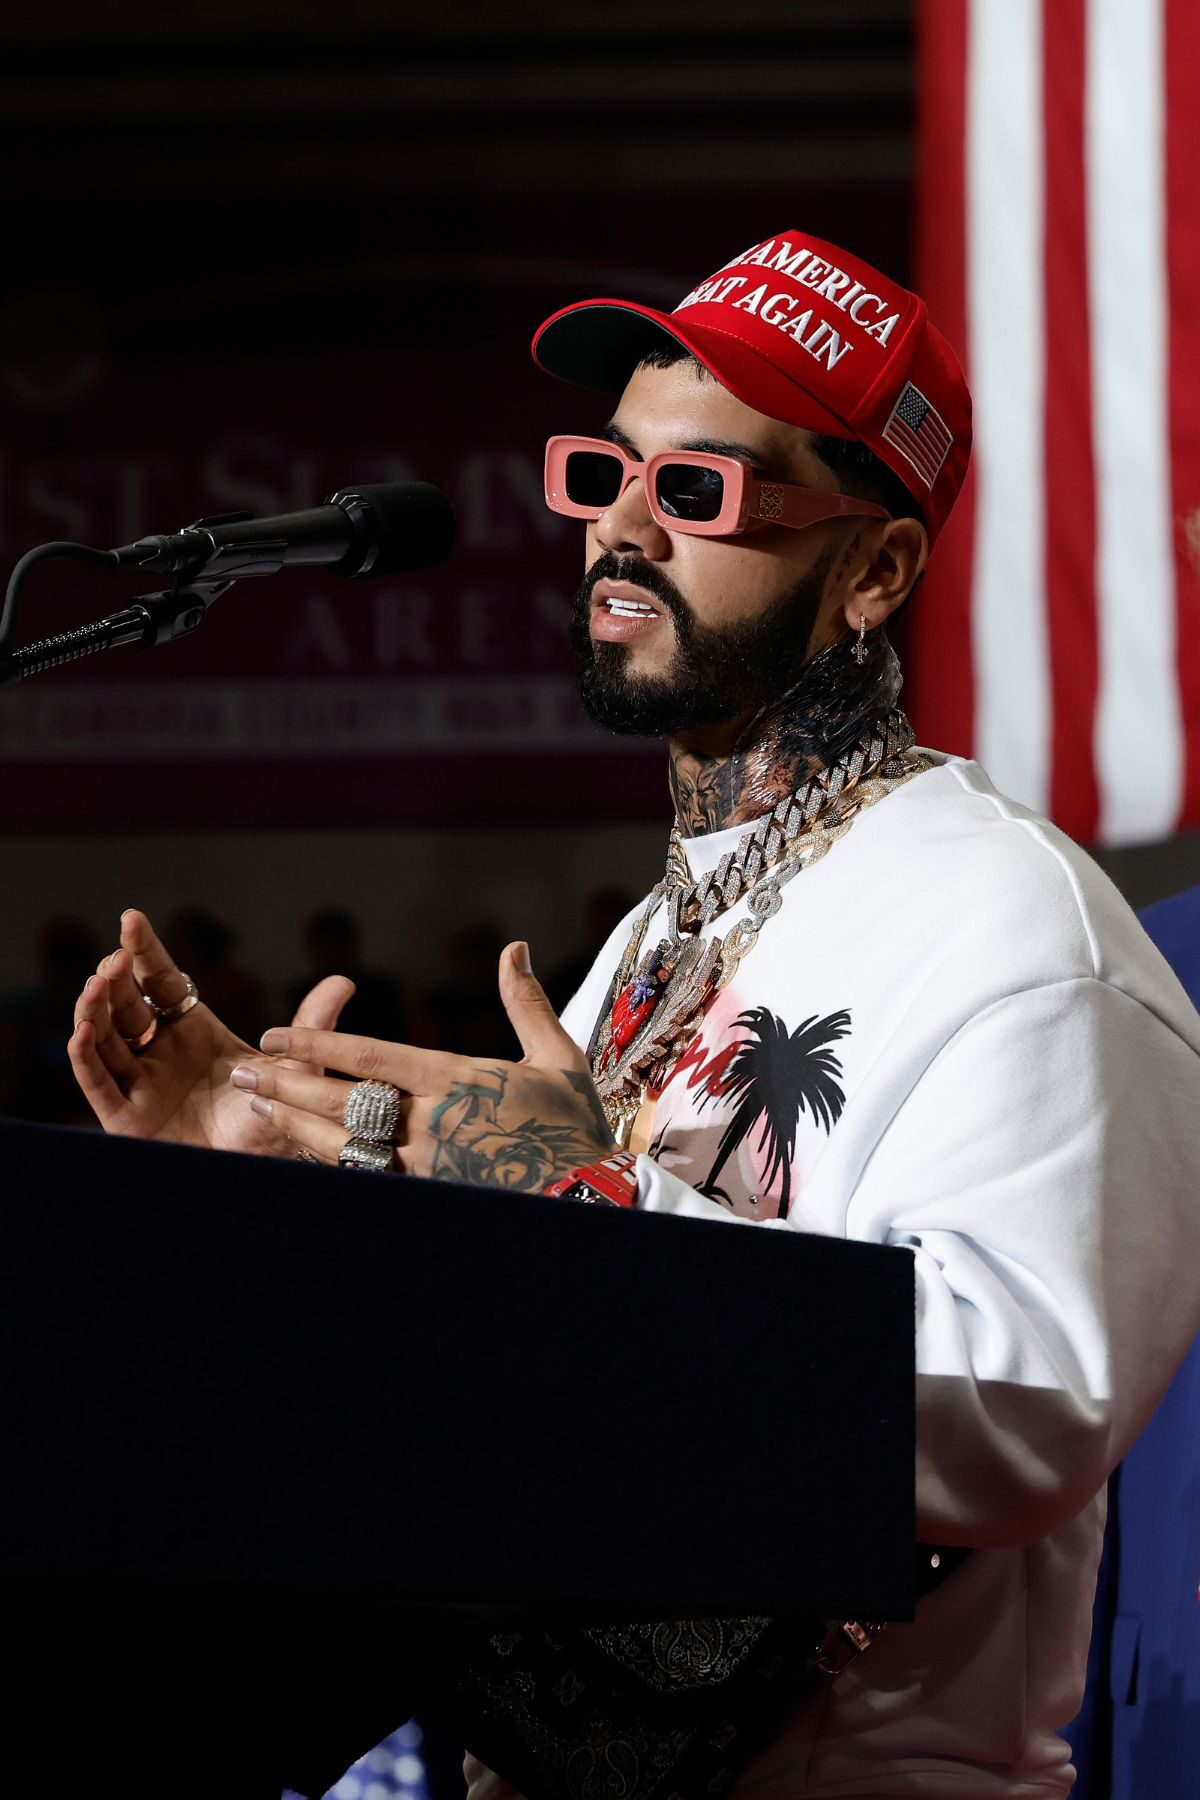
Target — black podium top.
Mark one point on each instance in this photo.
(245, 1371)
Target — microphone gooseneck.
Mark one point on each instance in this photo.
(377, 528)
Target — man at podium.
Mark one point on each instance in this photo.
(870, 997)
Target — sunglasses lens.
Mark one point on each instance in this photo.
(687, 491)
(593, 478)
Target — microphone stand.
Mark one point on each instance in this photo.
(151, 620)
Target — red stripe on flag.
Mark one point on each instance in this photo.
(941, 694)
(1181, 45)
(911, 446)
(1072, 628)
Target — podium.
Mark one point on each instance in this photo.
(272, 1430)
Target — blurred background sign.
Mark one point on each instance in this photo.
(360, 700)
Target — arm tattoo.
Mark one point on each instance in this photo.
(474, 1141)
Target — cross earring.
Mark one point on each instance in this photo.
(860, 649)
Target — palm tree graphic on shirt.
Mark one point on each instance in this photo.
(773, 1078)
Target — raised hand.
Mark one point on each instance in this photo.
(487, 1121)
(177, 1087)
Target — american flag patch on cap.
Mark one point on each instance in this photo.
(917, 430)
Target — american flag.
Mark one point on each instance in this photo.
(1058, 635)
(919, 432)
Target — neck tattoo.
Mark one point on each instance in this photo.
(787, 741)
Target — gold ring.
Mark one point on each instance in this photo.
(177, 1008)
(147, 1036)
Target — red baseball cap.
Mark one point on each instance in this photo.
(806, 333)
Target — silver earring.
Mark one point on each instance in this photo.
(860, 649)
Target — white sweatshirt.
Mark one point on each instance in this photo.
(989, 1063)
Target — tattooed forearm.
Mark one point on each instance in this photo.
(529, 1156)
(476, 1137)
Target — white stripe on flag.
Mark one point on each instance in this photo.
(1007, 353)
(1139, 746)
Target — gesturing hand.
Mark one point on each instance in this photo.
(518, 1125)
(177, 1088)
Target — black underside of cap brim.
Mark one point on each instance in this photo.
(600, 346)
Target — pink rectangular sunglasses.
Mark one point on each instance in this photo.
(687, 491)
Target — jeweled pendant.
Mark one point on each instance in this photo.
(686, 976)
(634, 1005)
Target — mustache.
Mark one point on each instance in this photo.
(610, 567)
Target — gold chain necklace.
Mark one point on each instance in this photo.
(658, 1011)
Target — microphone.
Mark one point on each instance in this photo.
(380, 528)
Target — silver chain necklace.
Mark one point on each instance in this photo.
(656, 1013)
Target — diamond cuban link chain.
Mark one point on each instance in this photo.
(682, 974)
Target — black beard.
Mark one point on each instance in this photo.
(718, 672)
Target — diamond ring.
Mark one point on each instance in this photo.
(358, 1153)
(371, 1111)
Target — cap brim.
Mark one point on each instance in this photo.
(599, 343)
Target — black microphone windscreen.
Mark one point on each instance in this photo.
(414, 521)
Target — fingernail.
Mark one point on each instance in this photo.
(521, 960)
(261, 1107)
(243, 1077)
(274, 1042)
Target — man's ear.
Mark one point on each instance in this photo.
(894, 563)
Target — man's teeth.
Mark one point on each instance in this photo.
(631, 609)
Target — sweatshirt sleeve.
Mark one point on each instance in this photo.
(1044, 1170)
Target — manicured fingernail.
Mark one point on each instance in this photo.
(274, 1042)
(244, 1078)
(261, 1107)
(521, 960)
